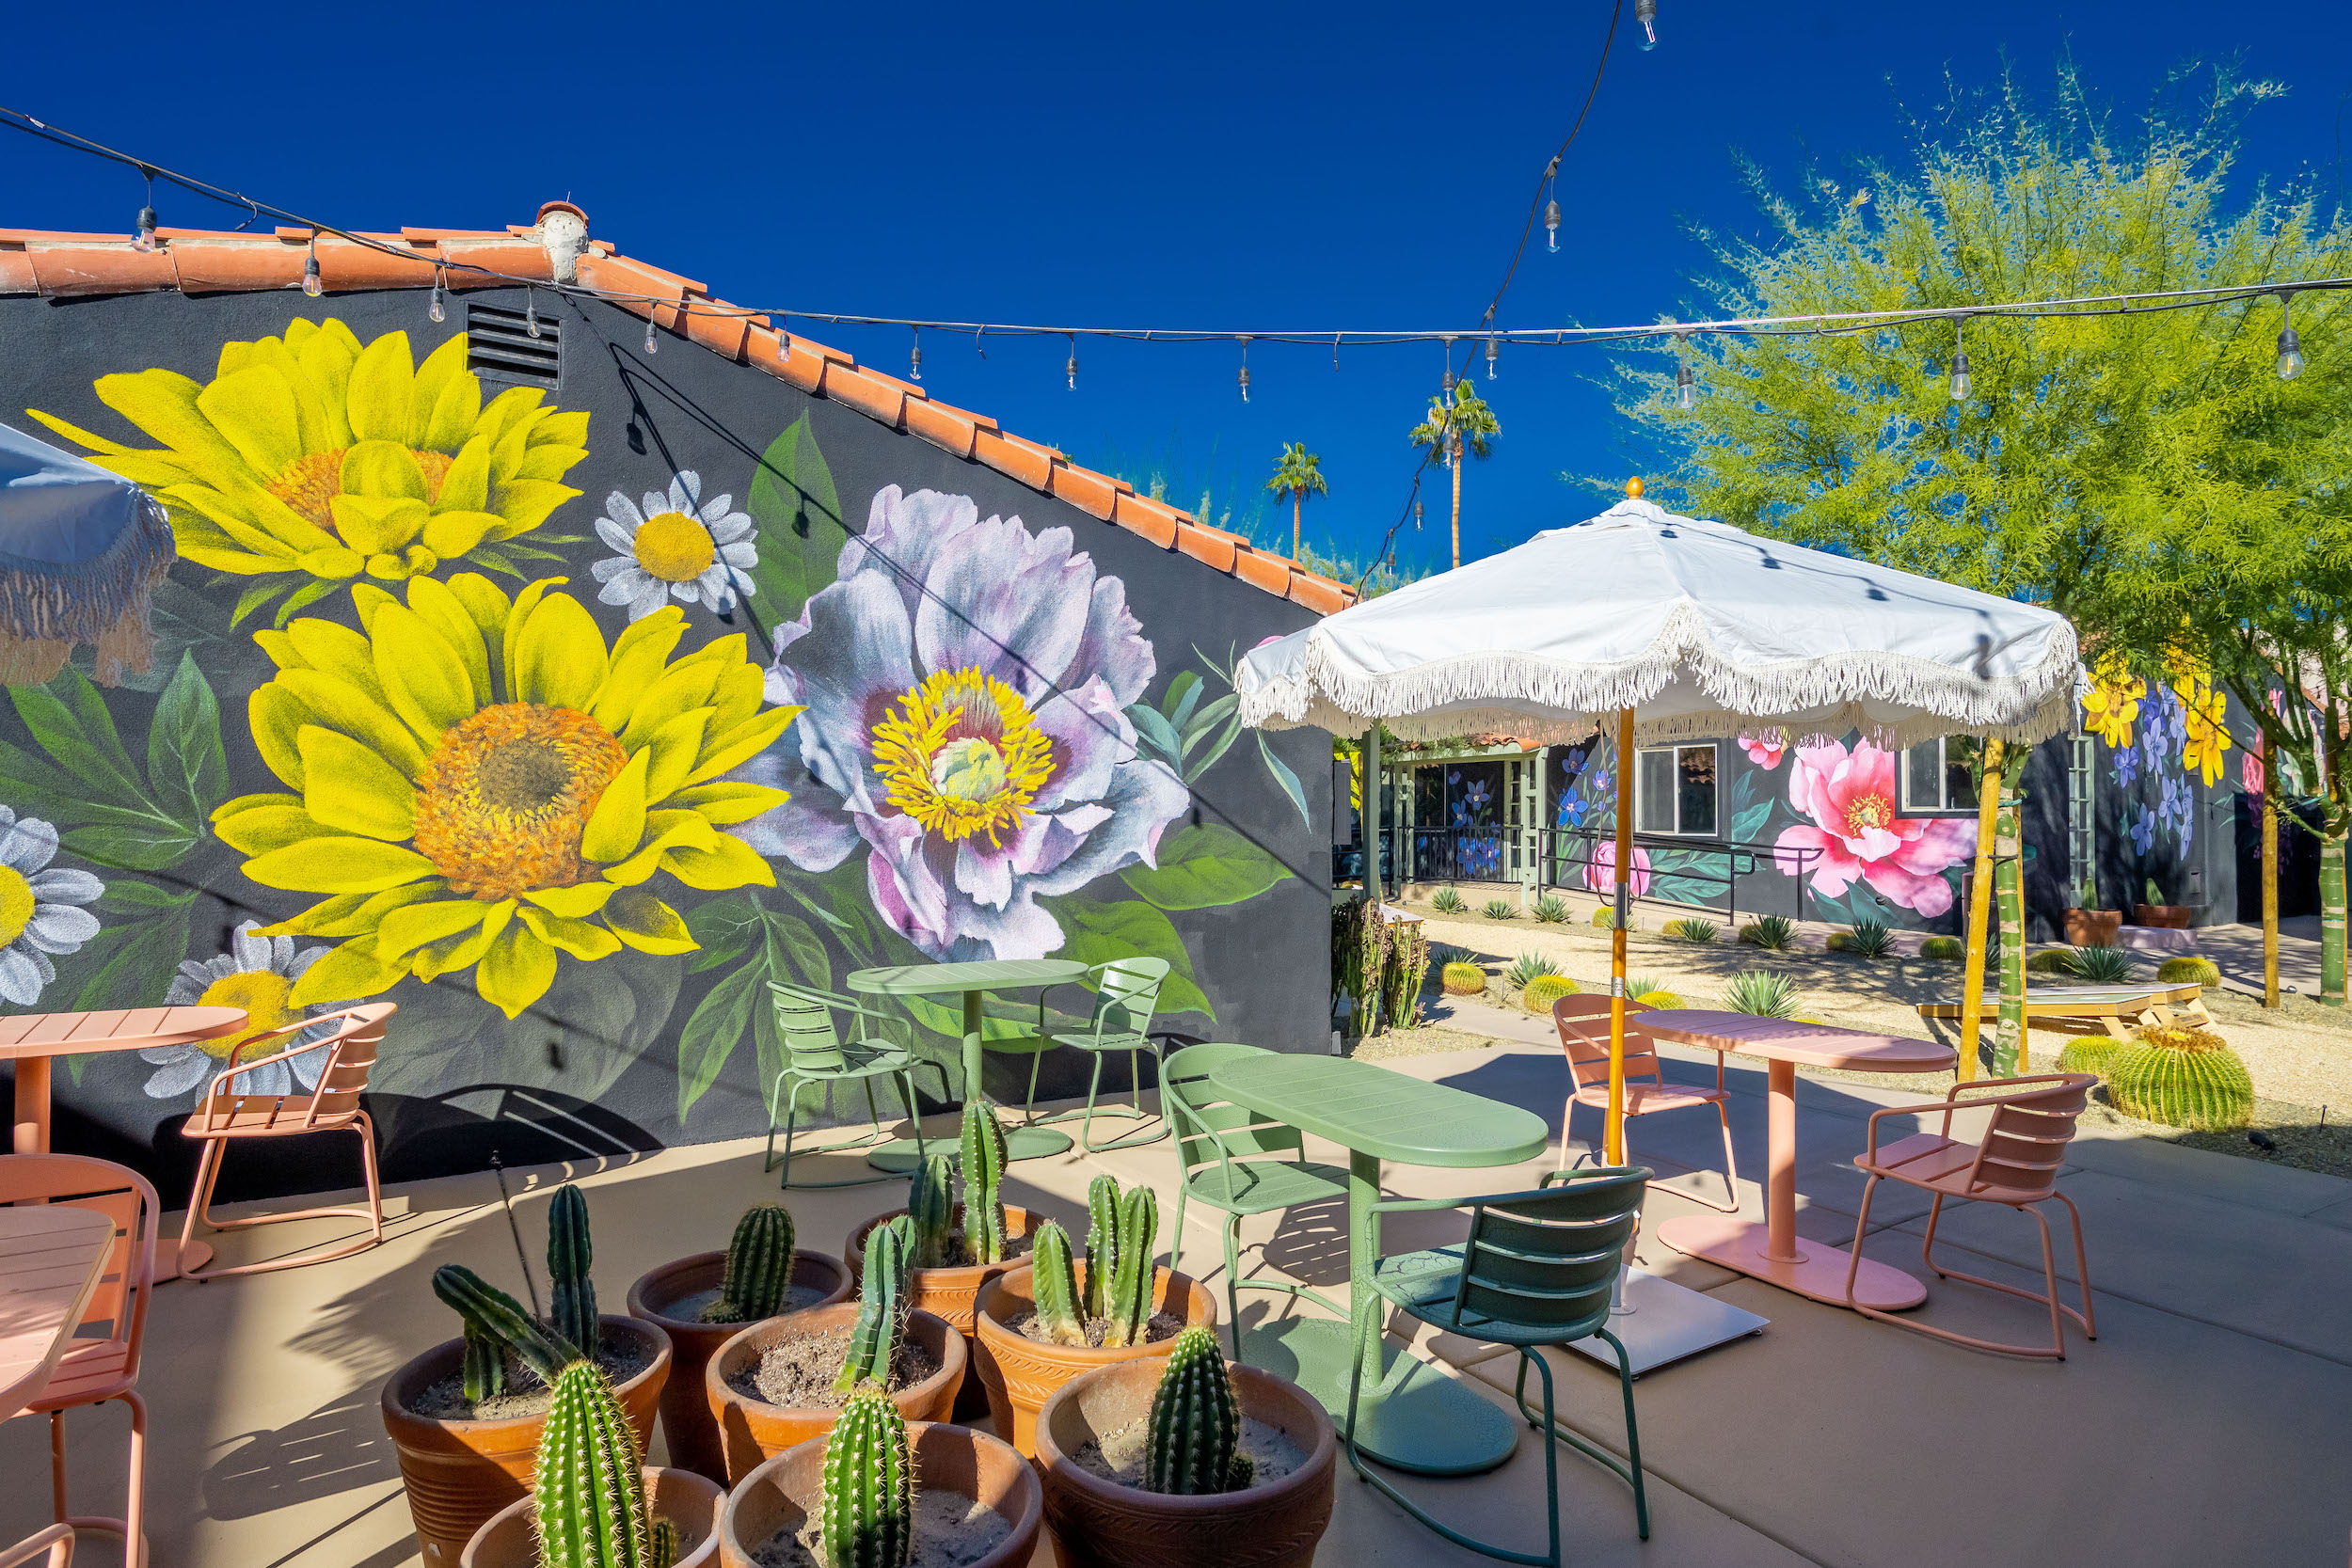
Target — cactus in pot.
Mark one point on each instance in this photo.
(881, 1314)
(495, 1322)
(1127, 1282)
(758, 1267)
(572, 1296)
(983, 1151)
(932, 1212)
(590, 1493)
(1192, 1446)
(869, 1487)
(1054, 1287)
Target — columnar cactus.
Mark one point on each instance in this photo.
(668, 1544)
(591, 1485)
(983, 1174)
(758, 1268)
(1127, 1297)
(491, 1314)
(932, 1209)
(485, 1364)
(881, 1313)
(869, 1487)
(1101, 1242)
(2181, 1077)
(1054, 1284)
(572, 1304)
(1192, 1446)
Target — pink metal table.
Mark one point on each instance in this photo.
(1772, 1251)
(51, 1258)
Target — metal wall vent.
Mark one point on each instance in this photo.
(499, 347)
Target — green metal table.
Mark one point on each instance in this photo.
(1410, 1416)
(973, 982)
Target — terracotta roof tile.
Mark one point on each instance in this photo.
(209, 260)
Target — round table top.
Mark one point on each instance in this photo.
(989, 974)
(1387, 1115)
(51, 1258)
(1787, 1040)
(125, 1029)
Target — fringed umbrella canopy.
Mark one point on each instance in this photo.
(1701, 628)
(81, 550)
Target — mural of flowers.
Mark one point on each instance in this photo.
(311, 459)
(1850, 797)
(2126, 759)
(481, 782)
(2143, 829)
(257, 974)
(40, 908)
(965, 683)
(1601, 873)
(676, 547)
(1765, 750)
(2113, 703)
(2203, 729)
(2249, 767)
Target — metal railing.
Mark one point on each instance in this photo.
(1564, 855)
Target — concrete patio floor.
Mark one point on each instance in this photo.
(2207, 1425)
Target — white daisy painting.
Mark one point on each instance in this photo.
(676, 546)
(40, 908)
(257, 974)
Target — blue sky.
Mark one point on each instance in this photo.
(1212, 164)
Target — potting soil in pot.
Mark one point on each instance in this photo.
(951, 1531)
(691, 1308)
(798, 1373)
(1163, 1325)
(959, 1253)
(620, 1355)
(1119, 1455)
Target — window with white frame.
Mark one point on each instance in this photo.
(1673, 790)
(1938, 776)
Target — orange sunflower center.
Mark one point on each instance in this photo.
(1867, 811)
(312, 481)
(503, 799)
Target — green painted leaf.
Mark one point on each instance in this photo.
(1749, 823)
(1097, 933)
(1156, 732)
(1284, 777)
(186, 766)
(1183, 693)
(1208, 759)
(1206, 867)
(95, 761)
(141, 968)
(800, 527)
(302, 598)
(726, 926)
(122, 893)
(716, 1026)
(251, 600)
(1207, 720)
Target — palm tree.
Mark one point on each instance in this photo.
(1299, 474)
(1458, 422)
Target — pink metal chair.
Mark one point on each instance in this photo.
(333, 1106)
(55, 1544)
(94, 1370)
(2017, 1164)
(1583, 1023)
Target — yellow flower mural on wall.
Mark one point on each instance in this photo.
(312, 459)
(2203, 717)
(479, 781)
(2113, 703)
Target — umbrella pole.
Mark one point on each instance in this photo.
(1979, 913)
(1612, 1151)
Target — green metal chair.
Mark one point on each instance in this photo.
(815, 1054)
(1537, 1269)
(1125, 992)
(1231, 1158)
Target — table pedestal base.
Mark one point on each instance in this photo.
(1819, 1271)
(1021, 1143)
(1418, 1419)
(1667, 1323)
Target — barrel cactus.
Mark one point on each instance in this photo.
(868, 1500)
(494, 1323)
(572, 1296)
(590, 1491)
(758, 1268)
(883, 1307)
(1464, 979)
(932, 1211)
(2181, 1076)
(2051, 960)
(1192, 1446)
(1942, 947)
(2189, 970)
(1545, 990)
(2089, 1053)
(983, 1146)
(1053, 1287)
(1648, 991)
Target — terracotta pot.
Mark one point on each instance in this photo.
(686, 1419)
(1099, 1524)
(510, 1540)
(949, 1292)
(1022, 1374)
(752, 1430)
(780, 1493)
(2094, 928)
(2172, 917)
(460, 1473)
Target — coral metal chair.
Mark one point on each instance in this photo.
(1583, 1023)
(229, 1116)
(2017, 1164)
(54, 1545)
(94, 1370)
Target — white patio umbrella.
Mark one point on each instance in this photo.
(1673, 628)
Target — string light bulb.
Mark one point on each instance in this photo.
(1552, 222)
(1686, 385)
(1645, 12)
(1245, 370)
(1416, 513)
(1490, 357)
(915, 357)
(2290, 346)
(1071, 370)
(146, 214)
(1962, 383)
(531, 313)
(436, 308)
(311, 284)
(653, 338)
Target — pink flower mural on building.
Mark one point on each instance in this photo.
(1764, 750)
(1601, 876)
(1851, 798)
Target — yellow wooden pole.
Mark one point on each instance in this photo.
(1613, 1151)
(1979, 913)
(2270, 878)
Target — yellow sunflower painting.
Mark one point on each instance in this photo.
(312, 459)
(480, 780)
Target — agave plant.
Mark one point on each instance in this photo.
(1448, 901)
(1527, 967)
(2102, 965)
(1692, 929)
(1762, 992)
(1499, 909)
(1773, 934)
(1650, 990)
(1551, 909)
(1869, 939)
